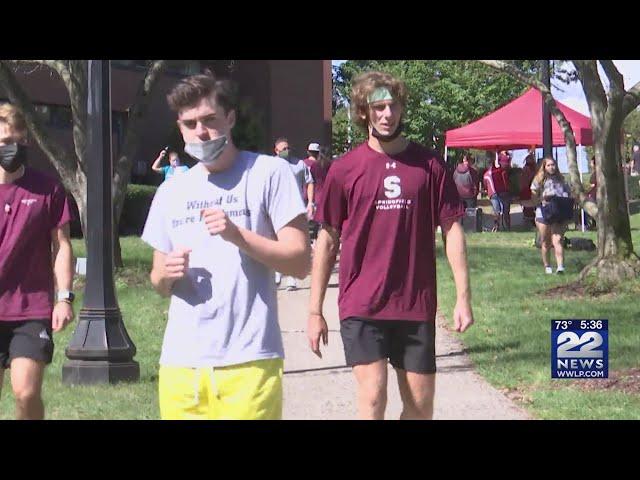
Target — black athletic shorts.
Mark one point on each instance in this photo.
(409, 345)
(29, 338)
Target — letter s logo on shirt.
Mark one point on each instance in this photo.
(392, 187)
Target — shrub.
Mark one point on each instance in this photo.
(136, 208)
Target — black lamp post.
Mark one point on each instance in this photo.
(547, 141)
(100, 350)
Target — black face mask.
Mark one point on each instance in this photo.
(12, 157)
(387, 138)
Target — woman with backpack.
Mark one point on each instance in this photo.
(554, 211)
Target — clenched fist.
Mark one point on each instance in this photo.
(62, 315)
(177, 263)
(218, 223)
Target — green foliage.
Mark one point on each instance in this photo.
(632, 129)
(443, 94)
(136, 208)
(248, 132)
(634, 187)
(340, 133)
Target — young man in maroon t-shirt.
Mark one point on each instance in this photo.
(35, 249)
(384, 200)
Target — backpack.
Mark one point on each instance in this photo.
(558, 210)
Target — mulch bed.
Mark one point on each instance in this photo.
(625, 381)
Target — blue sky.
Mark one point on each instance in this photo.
(573, 96)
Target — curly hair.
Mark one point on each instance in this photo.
(365, 84)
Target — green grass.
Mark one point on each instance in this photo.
(510, 341)
(144, 313)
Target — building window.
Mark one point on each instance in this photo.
(133, 64)
(184, 67)
(61, 116)
(44, 113)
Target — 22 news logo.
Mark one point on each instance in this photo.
(579, 348)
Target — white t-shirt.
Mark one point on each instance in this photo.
(224, 312)
(302, 174)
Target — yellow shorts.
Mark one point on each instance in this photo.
(248, 391)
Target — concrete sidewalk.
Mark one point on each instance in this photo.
(324, 389)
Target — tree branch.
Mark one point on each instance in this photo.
(514, 71)
(616, 80)
(570, 139)
(631, 99)
(592, 87)
(139, 107)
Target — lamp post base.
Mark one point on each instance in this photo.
(90, 372)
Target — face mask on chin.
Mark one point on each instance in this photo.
(387, 138)
(207, 152)
(12, 157)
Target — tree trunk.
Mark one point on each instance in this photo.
(616, 259)
(79, 193)
(119, 194)
(117, 251)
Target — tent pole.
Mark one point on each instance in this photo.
(446, 149)
(580, 172)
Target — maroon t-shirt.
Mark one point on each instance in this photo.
(38, 205)
(388, 208)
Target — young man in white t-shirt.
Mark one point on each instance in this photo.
(219, 231)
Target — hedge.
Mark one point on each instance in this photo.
(136, 208)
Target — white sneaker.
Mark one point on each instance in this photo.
(291, 284)
(548, 270)
(560, 270)
(278, 278)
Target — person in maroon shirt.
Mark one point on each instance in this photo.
(384, 200)
(34, 229)
(319, 170)
(467, 180)
(496, 182)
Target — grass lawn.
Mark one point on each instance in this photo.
(510, 342)
(144, 313)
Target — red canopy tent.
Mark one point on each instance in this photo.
(518, 124)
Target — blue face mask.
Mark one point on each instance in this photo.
(207, 152)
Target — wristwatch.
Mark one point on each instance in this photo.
(66, 296)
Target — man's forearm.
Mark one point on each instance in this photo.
(63, 266)
(311, 192)
(324, 259)
(457, 255)
(288, 258)
(161, 284)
